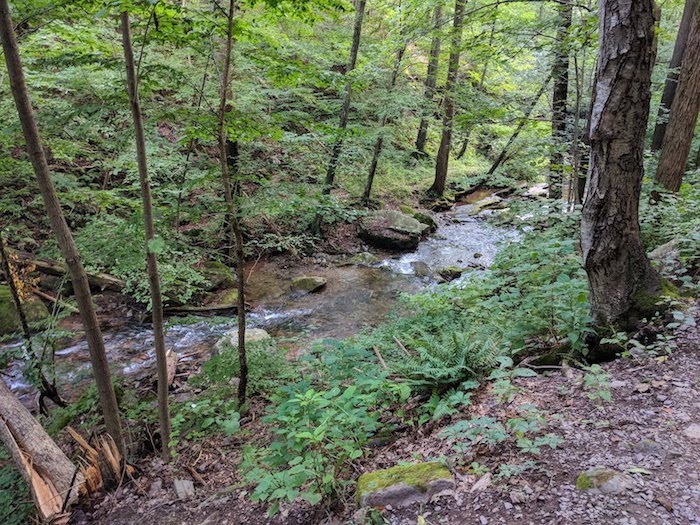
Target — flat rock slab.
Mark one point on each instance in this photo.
(184, 488)
(392, 230)
(308, 283)
(230, 338)
(604, 480)
(403, 485)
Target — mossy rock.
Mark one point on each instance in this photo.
(34, 309)
(604, 480)
(308, 283)
(218, 275)
(391, 229)
(420, 217)
(450, 273)
(230, 339)
(403, 485)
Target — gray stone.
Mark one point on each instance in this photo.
(693, 431)
(391, 230)
(230, 338)
(184, 488)
(667, 257)
(308, 283)
(604, 480)
(403, 485)
(155, 488)
(421, 269)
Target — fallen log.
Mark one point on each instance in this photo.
(52, 478)
(100, 280)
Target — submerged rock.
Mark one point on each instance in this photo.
(230, 338)
(604, 480)
(403, 485)
(33, 308)
(392, 230)
(308, 283)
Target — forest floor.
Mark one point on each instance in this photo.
(650, 431)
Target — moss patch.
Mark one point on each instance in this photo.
(34, 309)
(418, 476)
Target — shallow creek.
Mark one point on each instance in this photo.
(356, 297)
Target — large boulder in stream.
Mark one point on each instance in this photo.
(33, 308)
(391, 230)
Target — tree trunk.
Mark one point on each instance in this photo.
(502, 157)
(684, 113)
(621, 280)
(51, 476)
(560, 95)
(379, 144)
(673, 72)
(430, 78)
(225, 152)
(345, 109)
(443, 156)
(151, 256)
(64, 238)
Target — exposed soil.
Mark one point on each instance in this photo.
(643, 431)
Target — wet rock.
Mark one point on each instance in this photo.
(421, 269)
(391, 230)
(218, 275)
(184, 489)
(489, 203)
(693, 431)
(403, 485)
(604, 480)
(308, 283)
(230, 339)
(450, 273)
(364, 259)
(34, 309)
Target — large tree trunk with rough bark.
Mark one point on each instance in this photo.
(149, 228)
(671, 84)
(684, 113)
(52, 478)
(430, 78)
(64, 238)
(622, 283)
(443, 156)
(560, 95)
(347, 97)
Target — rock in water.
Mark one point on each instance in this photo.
(423, 217)
(308, 283)
(392, 230)
(230, 339)
(34, 309)
(403, 485)
(604, 480)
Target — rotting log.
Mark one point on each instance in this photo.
(52, 478)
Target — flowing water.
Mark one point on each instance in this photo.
(356, 297)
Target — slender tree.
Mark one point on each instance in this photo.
(379, 143)
(443, 156)
(684, 113)
(347, 97)
(64, 238)
(560, 95)
(430, 77)
(673, 72)
(151, 256)
(233, 222)
(621, 280)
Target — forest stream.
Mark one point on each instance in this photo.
(356, 296)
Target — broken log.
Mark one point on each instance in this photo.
(52, 478)
(100, 280)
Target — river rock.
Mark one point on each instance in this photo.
(308, 283)
(423, 217)
(450, 273)
(421, 269)
(604, 480)
(34, 309)
(489, 203)
(392, 230)
(403, 485)
(218, 275)
(364, 259)
(230, 338)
